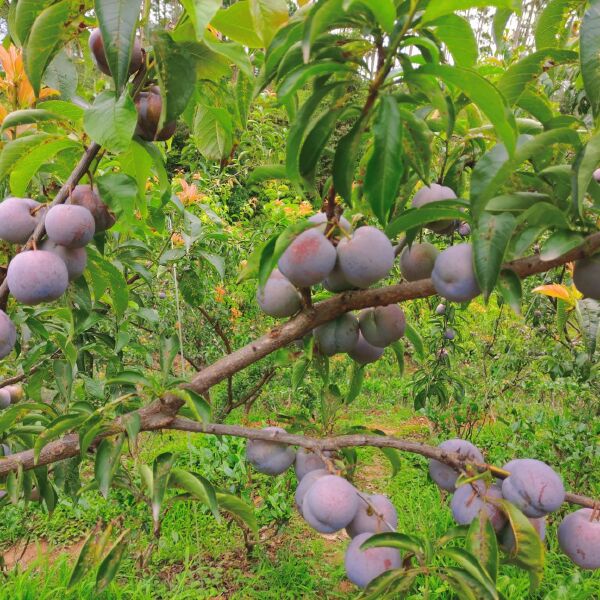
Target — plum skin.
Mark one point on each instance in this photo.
(417, 261)
(330, 504)
(586, 276)
(270, 458)
(70, 225)
(17, 222)
(362, 566)
(4, 398)
(453, 274)
(434, 193)
(87, 196)
(8, 335)
(75, 259)
(96, 44)
(382, 325)
(278, 298)
(339, 335)
(444, 475)
(307, 461)
(470, 499)
(579, 538)
(366, 521)
(149, 107)
(304, 485)
(321, 218)
(364, 353)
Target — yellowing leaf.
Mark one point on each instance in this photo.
(554, 290)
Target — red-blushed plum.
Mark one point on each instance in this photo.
(321, 217)
(435, 193)
(4, 398)
(279, 298)
(307, 461)
(366, 257)
(70, 225)
(86, 196)
(365, 353)
(308, 259)
(444, 475)
(362, 566)
(533, 487)
(37, 276)
(75, 259)
(96, 44)
(453, 274)
(470, 499)
(376, 515)
(149, 108)
(330, 504)
(586, 276)
(305, 483)
(508, 536)
(416, 261)
(18, 219)
(271, 458)
(8, 335)
(579, 538)
(339, 335)
(382, 325)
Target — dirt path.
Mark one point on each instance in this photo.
(24, 555)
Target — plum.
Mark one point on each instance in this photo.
(435, 193)
(330, 504)
(321, 218)
(586, 276)
(416, 261)
(376, 515)
(365, 353)
(362, 566)
(6, 451)
(304, 485)
(579, 538)
(440, 309)
(533, 487)
(18, 219)
(271, 458)
(597, 175)
(96, 44)
(307, 461)
(149, 108)
(339, 335)
(8, 335)
(470, 499)
(37, 276)
(336, 281)
(453, 274)
(75, 259)
(366, 257)
(444, 475)
(449, 334)
(279, 298)
(382, 325)
(162, 295)
(88, 197)
(4, 398)
(464, 230)
(508, 536)
(16, 393)
(70, 225)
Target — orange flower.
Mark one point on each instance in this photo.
(177, 239)
(220, 292)
(235, 313)
(305, 208)
(189, 193)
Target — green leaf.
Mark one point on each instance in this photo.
(384, 11)
(236, 23)
(490, 241)
(589, 49)
(197, 486)
(560, 243)
(457, 34)
(415, 339)
(588, 313)
(28, 116)
(118, 191)
(197, 405)
(129, 377)
(393, 539)
(118, 20)
(86, 559)
(161, 472)
(240, 509)
(266, 173)
(299, 371)
(213, 131)
(472, 566)
(201, 12)
(384, 169)
(482, 544)
(584, 166)
(107, 463)
(47, 492)
(437, 9)
(18, 148)
(26, 12)
(501, 18)
(268, 16)
(301, 75)
(111, 122)
(110, 565)
(417, 143)
(345, 160)
(417, 217)
(549, 29)
(394, 457)
(509, 285)
(358, 375)
(398, 348)
(55, 430)
(467, 586)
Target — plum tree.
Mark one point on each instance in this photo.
(279, 298)
(453, 274)
(471, 498)
(508, 536)
(362, 566)
(364, 353)
(4, 398)
(444, 475)
(149, 108)
(579, 538)
(307, 461)
(75, 259)
(375, 514)
(416, 261)
(271, 458)
(435, 193)
(96, 44)
(70, 225)
(330, 504)
(308, 259)
(382, 325)
(8, 335)
(304, 485)
(366, 257)
(321, 217)
(18, 219)
(533, 487)
(339, 335)
(586, 276)
(88, 197)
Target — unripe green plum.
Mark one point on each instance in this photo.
(70, 226)
(271, 458)
(435, 193)
(339, 335)
(304, 485)
(307, 461)
(586, 276)
(444, 475)
(18, 219)
(75, 259)
(8, 335)
(416, 261)
(470, 499)
(96, 45)
(362, 566)
(278, 298)
(365, 353)
(366, 257)
(330, 504)
(579, 538)
(382, 325)
(375, 514)
(86, 196)
(149, 108)
(453, 274)
(321, 217)
(37, 276)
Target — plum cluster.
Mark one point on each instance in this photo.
(10, 394)
(533, 487)
(330, 503)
